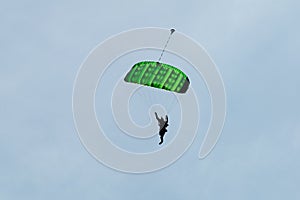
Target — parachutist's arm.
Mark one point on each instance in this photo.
(167, 119)
(156, 116)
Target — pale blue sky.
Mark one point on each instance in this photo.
(255, 45)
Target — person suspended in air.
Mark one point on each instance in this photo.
(163, 124)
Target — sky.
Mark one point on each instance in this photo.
(255, 45)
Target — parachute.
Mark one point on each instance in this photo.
(158, 75)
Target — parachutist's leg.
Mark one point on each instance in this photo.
(161, 140)
(161, 134)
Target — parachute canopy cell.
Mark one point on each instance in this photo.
(158, 75)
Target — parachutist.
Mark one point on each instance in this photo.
(163, 124)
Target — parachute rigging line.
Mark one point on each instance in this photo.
(171, 32)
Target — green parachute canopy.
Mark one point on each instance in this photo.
(158, 75)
